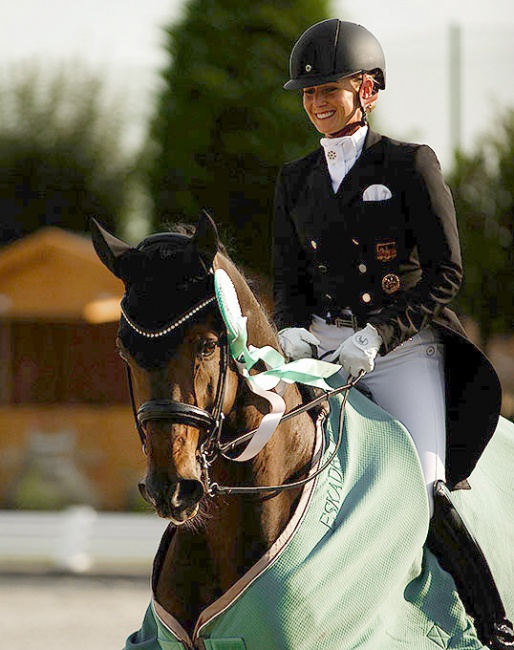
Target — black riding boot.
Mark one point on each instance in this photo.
(459, 554)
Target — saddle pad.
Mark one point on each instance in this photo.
(350, 570)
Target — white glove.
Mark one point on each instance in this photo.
(359, 351)
(297, 342)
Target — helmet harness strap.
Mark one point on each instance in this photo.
(364, 115)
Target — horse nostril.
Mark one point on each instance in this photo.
(143, 490)
(187, 492)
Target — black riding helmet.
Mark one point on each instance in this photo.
(333, 49)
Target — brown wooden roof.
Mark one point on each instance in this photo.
(53, 275)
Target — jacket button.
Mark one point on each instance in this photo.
(322, 269)
(366, 298)
(362, 268)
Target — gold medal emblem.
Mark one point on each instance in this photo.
(386, 251)
(391, 283)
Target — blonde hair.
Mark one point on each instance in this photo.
(357, 78)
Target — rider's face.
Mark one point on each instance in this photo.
(333, 105)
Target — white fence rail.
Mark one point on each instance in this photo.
(79, 539)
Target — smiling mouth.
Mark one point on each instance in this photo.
(324, 116)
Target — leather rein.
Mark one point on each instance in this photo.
(211, 423)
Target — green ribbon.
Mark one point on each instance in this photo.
(311, 372)
(278, 372)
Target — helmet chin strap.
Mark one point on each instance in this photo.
(364, 116)
(370, 100)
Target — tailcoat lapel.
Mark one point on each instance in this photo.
(316, 206)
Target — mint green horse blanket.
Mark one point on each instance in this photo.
(350, 570)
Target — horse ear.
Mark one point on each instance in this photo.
(205, 239)
(108, 247)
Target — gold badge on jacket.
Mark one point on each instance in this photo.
(391, 283)
(386, 250)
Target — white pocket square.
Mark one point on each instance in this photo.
(376, 193)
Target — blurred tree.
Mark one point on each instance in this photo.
(483, 187)
(61, 158)
(224, 124)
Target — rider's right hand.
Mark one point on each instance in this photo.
(298, 343)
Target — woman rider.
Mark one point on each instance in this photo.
(366, 261)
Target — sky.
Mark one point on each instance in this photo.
(123, 40)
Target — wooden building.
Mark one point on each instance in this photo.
(66, 428)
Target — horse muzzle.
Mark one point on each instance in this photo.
(174, 496)
(178, 500)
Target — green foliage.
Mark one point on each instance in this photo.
(224, 124)
(483, 187)
(60, 152)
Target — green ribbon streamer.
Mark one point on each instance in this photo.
(311, 372)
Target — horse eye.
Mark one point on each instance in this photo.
(207, 347)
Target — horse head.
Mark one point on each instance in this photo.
(172, 338)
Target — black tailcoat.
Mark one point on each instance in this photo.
(395, 263)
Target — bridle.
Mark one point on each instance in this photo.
(211, 423)
(172, 410)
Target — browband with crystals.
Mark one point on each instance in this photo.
(153, 334)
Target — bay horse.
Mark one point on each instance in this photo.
(221, 580)
(164, 281)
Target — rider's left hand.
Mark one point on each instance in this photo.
(359, 351)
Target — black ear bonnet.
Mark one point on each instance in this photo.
(163, 238)
(166, 276)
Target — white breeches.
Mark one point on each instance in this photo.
(408, 383)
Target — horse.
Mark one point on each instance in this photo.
(300, 540)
